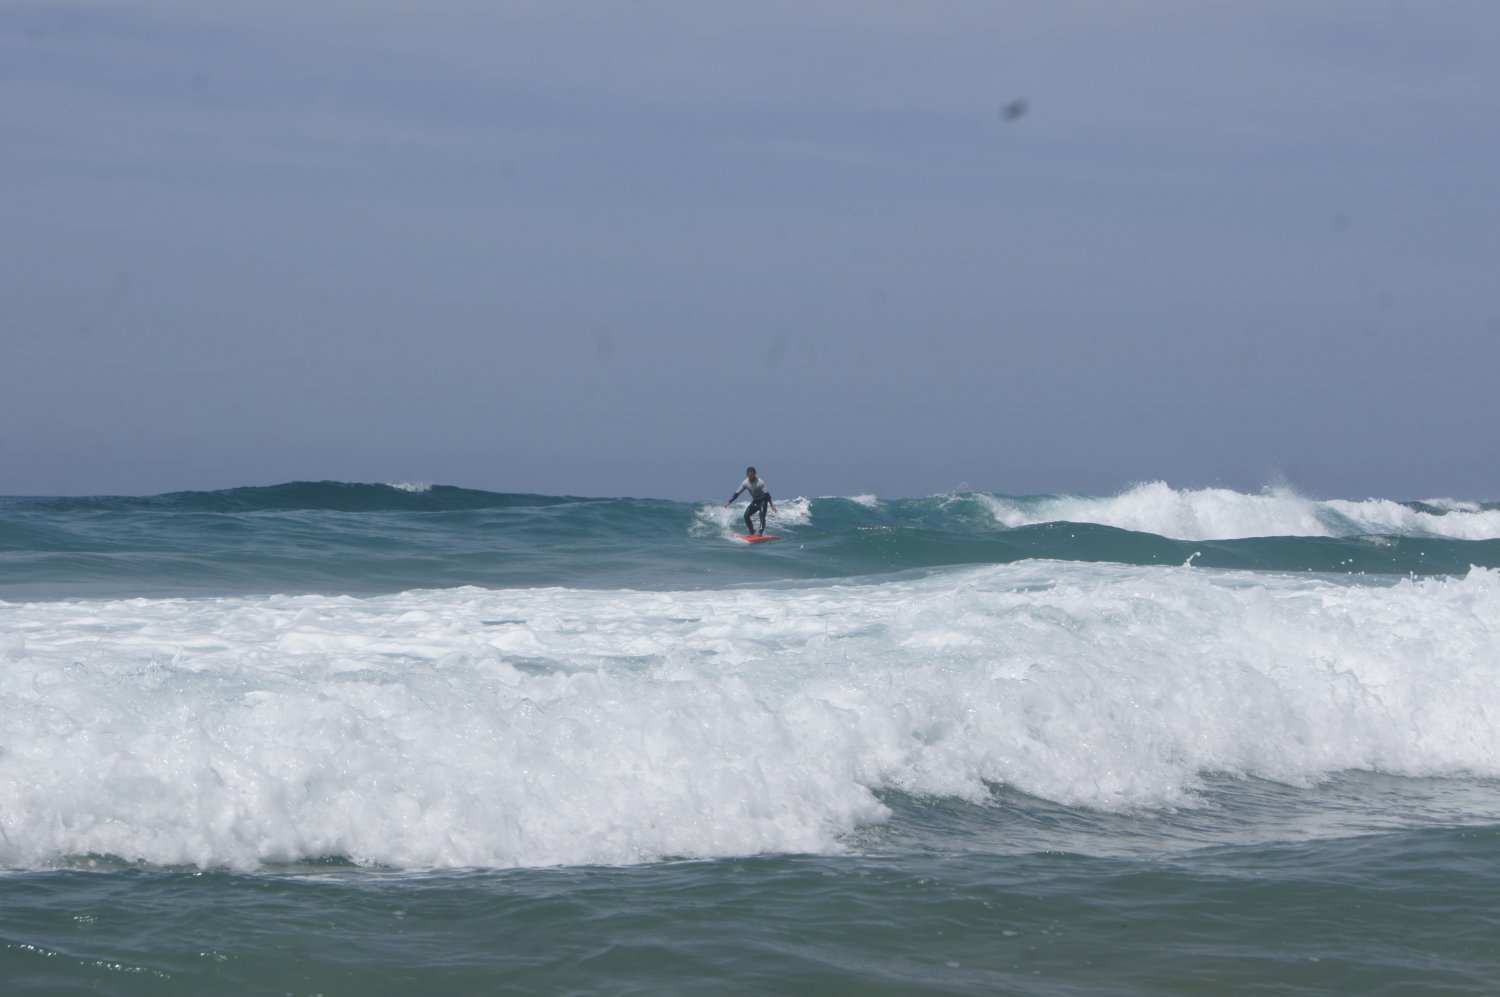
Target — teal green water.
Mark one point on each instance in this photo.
(1409, 912)
(335, 537)
(325, 738)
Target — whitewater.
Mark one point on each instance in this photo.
(549, 726)
(990, 718)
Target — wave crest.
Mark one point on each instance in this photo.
(1223, 514)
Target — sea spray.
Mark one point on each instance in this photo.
(554, 726)
(1223, 514)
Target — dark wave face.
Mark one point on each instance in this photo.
(369, 538)
(304, 496)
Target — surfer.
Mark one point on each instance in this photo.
(760, 498)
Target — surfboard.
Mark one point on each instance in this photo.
(757, 538)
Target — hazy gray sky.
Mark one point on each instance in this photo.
(628, 248)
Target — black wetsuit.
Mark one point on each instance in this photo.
(760, 501)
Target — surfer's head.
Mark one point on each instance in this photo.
(750, 472)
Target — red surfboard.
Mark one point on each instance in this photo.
(757, 538)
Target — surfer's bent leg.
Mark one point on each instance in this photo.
(750, 511)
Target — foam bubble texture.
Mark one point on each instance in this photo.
(1222, 514)
(532, 727)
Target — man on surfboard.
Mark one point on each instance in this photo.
(760, 498)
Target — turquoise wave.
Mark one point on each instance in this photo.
(367, 538)
(327, 496)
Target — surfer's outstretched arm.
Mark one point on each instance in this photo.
(751, 484)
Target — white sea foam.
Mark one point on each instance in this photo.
(1453, 505)
(1462, 521)
(531, 727)
(1222, 514)
(717, 519)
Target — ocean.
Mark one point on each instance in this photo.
(330, 738)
